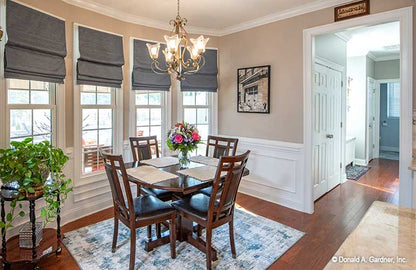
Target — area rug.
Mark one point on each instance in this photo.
(356, 171)
(259, 242)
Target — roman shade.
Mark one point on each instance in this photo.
(101, 58)
(36, 47)
(205, 80)
(143, 77)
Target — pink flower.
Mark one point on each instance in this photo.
(178, 138)
(195, 136)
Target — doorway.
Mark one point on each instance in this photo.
(404, 16)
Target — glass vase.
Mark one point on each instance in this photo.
(184, 159)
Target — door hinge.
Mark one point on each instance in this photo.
(342, 83)
(341, 124)
(340, 165)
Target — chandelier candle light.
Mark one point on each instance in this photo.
(174, 56)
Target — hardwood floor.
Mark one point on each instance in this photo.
(336, 215)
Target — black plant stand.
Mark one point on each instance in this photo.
(11, 253)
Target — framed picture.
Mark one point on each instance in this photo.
(253, 89)
(352, 10)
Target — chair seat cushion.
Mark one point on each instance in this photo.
(149, 206)
(206, 191)
(196, 205)
(164, 195)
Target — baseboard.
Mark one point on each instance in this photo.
(389, 148)
(361, 162)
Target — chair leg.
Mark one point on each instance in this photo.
(231, 226)
(149, 232)
(158, 231)
(115, 234)
(132, 248)
(138, 190)
(208, 247)
(180, 228)
(172, 234)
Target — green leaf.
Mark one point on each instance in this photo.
(2, 225)
(9, 226)
(31, 190)
(21, 213)
(9, 217)
(43, 212)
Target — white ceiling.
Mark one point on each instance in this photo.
(381, 41)
(215, 17)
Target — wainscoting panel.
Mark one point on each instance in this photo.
(276, 171)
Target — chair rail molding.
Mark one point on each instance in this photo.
(276, 171)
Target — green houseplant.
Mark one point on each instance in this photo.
(26, 166)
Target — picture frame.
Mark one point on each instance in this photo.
(352, 10)
(253, 89)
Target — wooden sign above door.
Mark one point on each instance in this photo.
(352, 10)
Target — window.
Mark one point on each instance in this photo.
(149, 106)
(393, 100)
(97, 114)
(31, 110)
(196, 111)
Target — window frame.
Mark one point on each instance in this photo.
(389, 116)
(81, 179)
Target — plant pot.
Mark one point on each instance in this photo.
(38, 191)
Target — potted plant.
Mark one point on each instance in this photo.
(30, 169)
(185, 138)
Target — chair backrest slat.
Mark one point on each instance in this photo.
(141, 147)
(114, 165)
(224, 192)
(222, 146)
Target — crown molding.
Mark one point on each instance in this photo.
(393, 56)
(372, 56)
(163, 25)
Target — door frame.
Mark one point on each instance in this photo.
(378, 83)
(405, 17)
(368, 147)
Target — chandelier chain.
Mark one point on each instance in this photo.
(178, 8)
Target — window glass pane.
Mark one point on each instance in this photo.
(87, 98)
(142, 117)
(156, 130)
(41, 138)
(39, 97)
(89, 140)
(105, 137)
(141, 99)
(190, 116)
(18, 97)
(88, 88)
(42, 121)
(39, 85)
(103, 89)
(201, 98)
(105, 118)
(393, 102)
(104, 98)
(18, 84)
(188, 98)
(142, 131)
(89, 118)
(202, 115)
(156, 116)
(155, 98)
(203, 131)
(20, 123)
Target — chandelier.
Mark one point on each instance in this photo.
(177, 43)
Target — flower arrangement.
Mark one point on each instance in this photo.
(185, 138)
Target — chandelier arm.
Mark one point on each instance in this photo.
(157, 69)
(200, 64)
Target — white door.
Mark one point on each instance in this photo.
(371, 119)
(326, 160)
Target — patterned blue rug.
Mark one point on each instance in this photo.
(355, 172)
(259, 242)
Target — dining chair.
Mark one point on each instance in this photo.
(212, 212)
(222, 146)
(143, 148)
(141, 211)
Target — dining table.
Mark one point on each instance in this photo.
(181, 186)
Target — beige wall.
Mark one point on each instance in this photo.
(73, 14)
(278, 44)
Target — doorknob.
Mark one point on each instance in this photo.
(329, 136)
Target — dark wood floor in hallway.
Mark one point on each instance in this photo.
(336, 215)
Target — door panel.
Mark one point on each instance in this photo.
(327, 130)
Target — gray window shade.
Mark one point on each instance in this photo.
(101, 58)
(143, 77)
(205, 80)
(36, 47)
